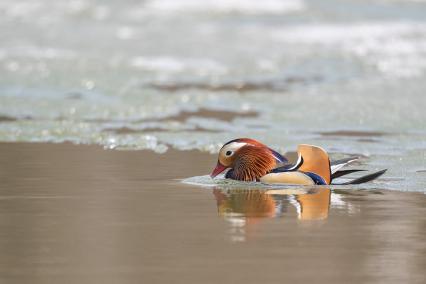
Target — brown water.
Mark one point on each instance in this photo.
(81, 214)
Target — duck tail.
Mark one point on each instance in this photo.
(363, 179)
(338, 164)
(344, 172)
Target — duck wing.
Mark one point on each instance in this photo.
(312, 167)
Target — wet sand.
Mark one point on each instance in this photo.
(81, 214)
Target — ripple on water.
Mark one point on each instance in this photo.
(230, 184)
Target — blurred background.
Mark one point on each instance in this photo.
(157, 74)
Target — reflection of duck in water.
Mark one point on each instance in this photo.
(245, 203)
(249, 160)
(244, 208)
(310, 204)
(314, 206)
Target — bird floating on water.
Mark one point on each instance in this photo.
(249, 160)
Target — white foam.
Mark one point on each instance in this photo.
(207, 181)
(173, 64)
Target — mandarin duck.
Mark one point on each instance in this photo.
(246, 159)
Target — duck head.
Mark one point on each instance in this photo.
(246, 159)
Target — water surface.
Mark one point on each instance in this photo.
(87, 215)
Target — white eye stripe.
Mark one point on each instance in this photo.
(234, 146)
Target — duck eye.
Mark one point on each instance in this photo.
(228, 153)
